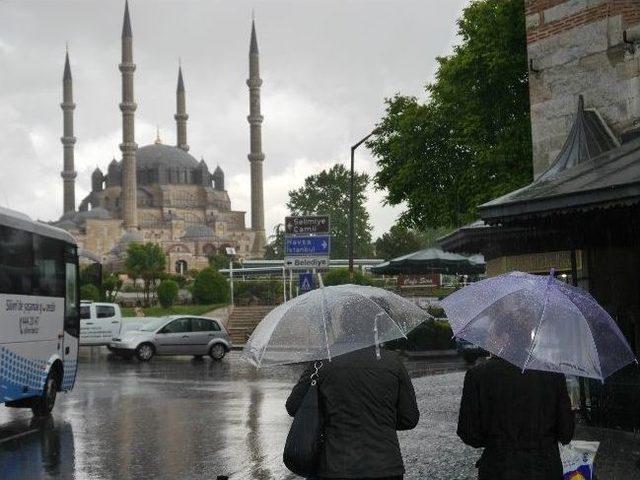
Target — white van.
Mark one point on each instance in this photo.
(99, 322)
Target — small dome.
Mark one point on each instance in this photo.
(98, 213)
(66, 225)
(124, 242)
(198, 231)
(97, 172)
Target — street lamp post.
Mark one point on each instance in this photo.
(351, 203)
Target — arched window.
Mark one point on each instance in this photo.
(181, 267)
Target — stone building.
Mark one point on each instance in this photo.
(161, 193)
(581, 47)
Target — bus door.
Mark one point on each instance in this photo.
(71, 318)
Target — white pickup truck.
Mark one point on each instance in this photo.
(101, 322)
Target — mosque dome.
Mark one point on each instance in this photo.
(157, 154)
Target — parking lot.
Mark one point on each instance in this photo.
(180, 418)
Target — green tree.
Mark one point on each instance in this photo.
(167, 293)
(274, 250)
(218, 261)
(147, 262)
(471, 141)
(111, 285)
(327, 193)
(399, 240)
(90, 292)
(210, 287)
(340, 276)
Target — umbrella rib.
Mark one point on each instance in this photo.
(535, 335)
(385, 312)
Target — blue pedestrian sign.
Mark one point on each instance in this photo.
(319, 245)
(306, 282)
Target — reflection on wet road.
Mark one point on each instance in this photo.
(171, 418)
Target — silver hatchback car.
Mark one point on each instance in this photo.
(175, 335)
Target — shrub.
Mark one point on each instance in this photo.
(340, 276)
(167, 293)
(263, 292)
(431, 335)
(210, 287)
(90, 292)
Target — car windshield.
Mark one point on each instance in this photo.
(153, 325)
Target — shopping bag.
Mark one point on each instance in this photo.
(577, 459)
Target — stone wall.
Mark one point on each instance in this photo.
(576, 47)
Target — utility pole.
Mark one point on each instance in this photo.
(351, 203)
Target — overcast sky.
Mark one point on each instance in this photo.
(327, 67)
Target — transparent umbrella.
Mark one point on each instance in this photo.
(331, 321)
(539, 323)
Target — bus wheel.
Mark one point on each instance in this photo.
(43, 405)
(144, 352)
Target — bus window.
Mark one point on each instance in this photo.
(16, 261)
(71, 314)
(49, 270)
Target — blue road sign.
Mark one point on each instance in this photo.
(306, 282)
(320, 245)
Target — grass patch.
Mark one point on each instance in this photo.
(158, 311)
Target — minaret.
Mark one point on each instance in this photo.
(181, 114)
(128, 145)
(68, 140)
(256, 157)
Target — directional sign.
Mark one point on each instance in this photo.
(308, 225)
(306, 282)
(307, 262)
(309, 246)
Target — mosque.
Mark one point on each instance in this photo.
(160, 193)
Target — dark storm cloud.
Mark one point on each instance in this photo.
(327, 67)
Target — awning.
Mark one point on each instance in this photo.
(591, 171)
(432, 260)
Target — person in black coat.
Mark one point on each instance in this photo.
(363, 401)
(518, 418)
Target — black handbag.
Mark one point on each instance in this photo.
(304, 441)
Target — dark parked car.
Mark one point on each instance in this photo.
(469, 351)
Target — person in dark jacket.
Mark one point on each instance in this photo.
(363, 401)
(518, 418)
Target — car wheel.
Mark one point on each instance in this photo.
(217, 351)
(43, 405)
(145, 352)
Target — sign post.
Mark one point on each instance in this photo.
(307, 245)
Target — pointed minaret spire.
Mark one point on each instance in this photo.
(128, 146)
(256, 157)
(68, 140)
(253, 48)
(181, 116)
(126, 23)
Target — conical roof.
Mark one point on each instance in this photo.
(589, 138)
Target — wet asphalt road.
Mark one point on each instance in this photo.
(178, 418)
